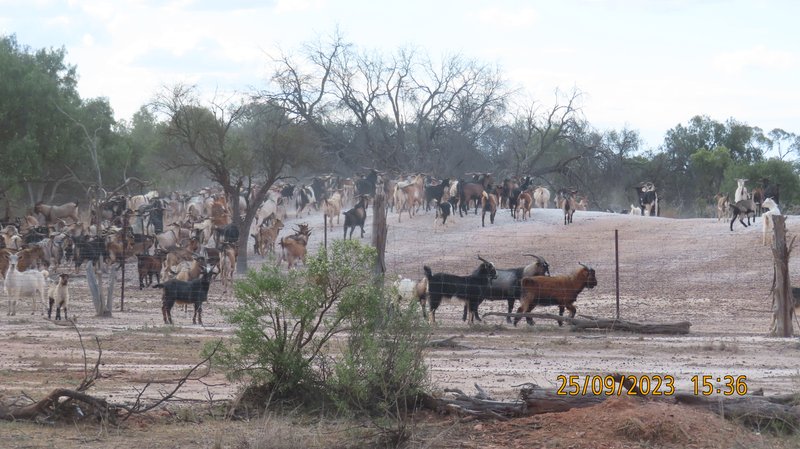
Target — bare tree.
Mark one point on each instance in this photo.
(243, 147)
(546, 141)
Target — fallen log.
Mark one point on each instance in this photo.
(590, 322)
(533, 401)
(776, 413)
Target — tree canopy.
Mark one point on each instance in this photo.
(331, 105)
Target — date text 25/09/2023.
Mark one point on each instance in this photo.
(653, 385)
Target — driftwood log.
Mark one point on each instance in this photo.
(590, 322)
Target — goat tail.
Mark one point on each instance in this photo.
(428, 273)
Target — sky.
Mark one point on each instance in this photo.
(645, 65)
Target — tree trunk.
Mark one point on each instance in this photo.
(782, 300)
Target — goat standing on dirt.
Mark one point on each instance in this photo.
(58, 295)
(555, 290)
(23, 285)
(293, 247)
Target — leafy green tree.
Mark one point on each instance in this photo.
(33, 85)
(778, 171)
(707, 168)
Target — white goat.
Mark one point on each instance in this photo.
(541, 197)
(409, 290)
(59, 295)
(768, 225)
(25, 284)
(741, 191)
(333, 207)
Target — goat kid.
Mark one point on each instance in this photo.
(58, 295)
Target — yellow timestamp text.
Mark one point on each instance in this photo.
(728, 385)
(654, 385)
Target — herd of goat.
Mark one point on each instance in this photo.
(200, 241)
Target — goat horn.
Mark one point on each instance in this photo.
(482, 259)
(584, 266)
(539, 258)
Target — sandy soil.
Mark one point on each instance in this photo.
(669, 270)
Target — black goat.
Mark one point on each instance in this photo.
(741, 209)
(435, 193)
(772, 190)
(356, 217)
(89, 248)
(445, 209)
(366, 185)
(508, 284)
(472, 288)
(193, 292)
(227, 234)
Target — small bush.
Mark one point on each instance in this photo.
(284, 348)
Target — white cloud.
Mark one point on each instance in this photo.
(88, 40)
(506, 18)
(293, 6)
(758, 57)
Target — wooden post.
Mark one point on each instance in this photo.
(125, 229)
(782, 301)
(616, 259)
(379, 230)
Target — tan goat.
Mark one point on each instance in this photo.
(266, 236)
(293, 247)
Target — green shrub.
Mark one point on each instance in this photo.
(285, 328)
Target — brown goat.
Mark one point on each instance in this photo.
(524, 204)
(293, 247)
(30, 257)
(266, 236)
(561, 291)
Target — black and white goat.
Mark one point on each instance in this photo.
(471, 289)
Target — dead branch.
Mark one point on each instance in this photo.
(590, 322)
(448, 343)
(63, 403)
(137, 408)
(126, 183)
